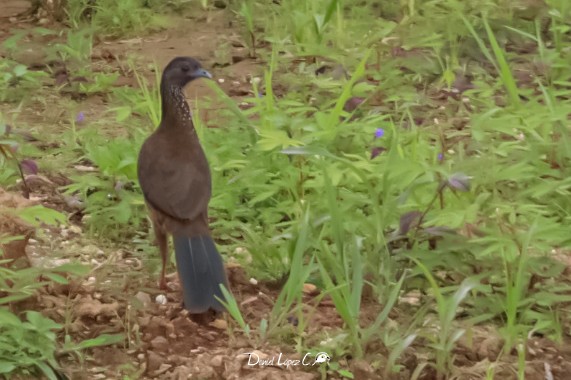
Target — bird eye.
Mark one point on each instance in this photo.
(185, 68)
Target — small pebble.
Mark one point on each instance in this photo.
(220, 80)
(219, 324)
(75, 229)
(253, 281)
(161, 299)
(144, 298)
(309, 288)
(217, 361)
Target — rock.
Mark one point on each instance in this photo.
(211, 336)
(94, 308)
(168, 326)
(411, 298)
(310, 289)
(76, 326)
(48, 262)
(202, 370)
(154, 361)
(144, 320)
(162, 369)
(75, 229)
(219, 324)
(178, 360)
(91, 250)
(490, 348)
(217, 361)
(74, 203)
(161, 299)
(144, 298)
(181, 373)
(51, 302)
(241, 342)
(160, 343)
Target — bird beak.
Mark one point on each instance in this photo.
(201, 73)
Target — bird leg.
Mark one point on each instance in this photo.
(162, 241)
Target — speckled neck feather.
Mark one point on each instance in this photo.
(175, 110)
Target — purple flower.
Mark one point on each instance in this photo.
(380, 132)
(440, 156)
(80, 117)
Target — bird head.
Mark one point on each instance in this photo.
(183, 70)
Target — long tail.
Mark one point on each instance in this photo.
(201, 272)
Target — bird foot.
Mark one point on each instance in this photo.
(163, 284)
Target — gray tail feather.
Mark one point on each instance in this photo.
(201, 271)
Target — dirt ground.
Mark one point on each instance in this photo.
(118, 296)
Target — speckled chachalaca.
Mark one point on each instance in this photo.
(175, 179)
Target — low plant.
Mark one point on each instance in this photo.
(124, 18)
(17, 82)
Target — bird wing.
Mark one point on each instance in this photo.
(179, 186)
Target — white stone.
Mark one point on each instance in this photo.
(161, 299)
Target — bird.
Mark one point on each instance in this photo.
(175, 180)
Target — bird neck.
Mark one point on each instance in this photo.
(175, 109)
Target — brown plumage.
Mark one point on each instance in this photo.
(175, 179)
